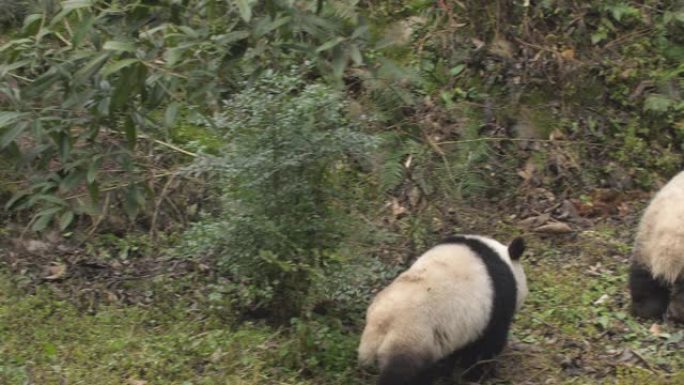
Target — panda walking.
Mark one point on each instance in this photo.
(656, 278)
(452, 307)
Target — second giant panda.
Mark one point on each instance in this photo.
(656, 278)
(452, 307)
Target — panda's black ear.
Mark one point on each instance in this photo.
(516, 248)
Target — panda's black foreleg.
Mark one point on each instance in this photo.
(650, 297)
(675, 311)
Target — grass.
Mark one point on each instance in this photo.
(575, 328)
(45, 340)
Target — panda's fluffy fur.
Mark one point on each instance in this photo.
(657, 270)
(453, 306)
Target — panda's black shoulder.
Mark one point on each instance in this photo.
(480, 248)
(458, 239)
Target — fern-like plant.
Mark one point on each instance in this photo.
(283, 175)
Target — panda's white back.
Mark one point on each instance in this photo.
(660, 238)
(448, 313)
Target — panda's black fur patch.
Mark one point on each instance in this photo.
(650, 296)
(495, 334)
(406, 368)
(516, 248)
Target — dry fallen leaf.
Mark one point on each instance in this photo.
(56, 271)
(568, 210)
(536, 221)
(527, 173)
(111, 297)
(397, 208)
(35, 246)
(568, 54)
(477, 43)
(655, 330)
(554, 228)
(602, 299)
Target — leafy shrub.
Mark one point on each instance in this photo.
(86, 81)
(12, 12)
(283, 175)
(347, 290)
(322, 346)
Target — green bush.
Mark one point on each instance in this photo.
(284, 175)
(83, 84)
(12, 12)
(322, 346)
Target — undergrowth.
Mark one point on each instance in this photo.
(46, 340)
(575, 328)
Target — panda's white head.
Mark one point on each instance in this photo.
(511, 254)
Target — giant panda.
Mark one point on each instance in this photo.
(656, 278)
(453, 306)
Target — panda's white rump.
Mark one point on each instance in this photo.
(439, 305)
(659, 243)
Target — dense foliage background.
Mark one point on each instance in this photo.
(237, 178)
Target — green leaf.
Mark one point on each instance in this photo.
(266, 26)
(94, 191)
(5, 68)
(71, 181)
(10, 135)
(339, 63)
(16, 198)
(93, 66)
(92, 171)
(48, 198)
(329, 44)
(130, 131)
(245, 8)
(599, 36)
(9, 117)
(119, 46)
(77, 4)
(68, 7)
(189, 31)
(84, 26)
(658, 103)
(42, 83)
(355, 54)
(230, 37)
(64, 147)
(30, 20)
(133, 201)
(360, 31)
(116, 65)
(12, 43)
(44, 218)
(170, 114)
(621, 9)
(65, 219)
(121, 94)
(173, 55)
(456, 70)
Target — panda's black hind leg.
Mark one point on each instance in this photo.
(650, 297)
(406, 369)
(479, 371)
(675, 311)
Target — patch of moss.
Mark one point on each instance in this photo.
(195, 138)
(45, 340)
